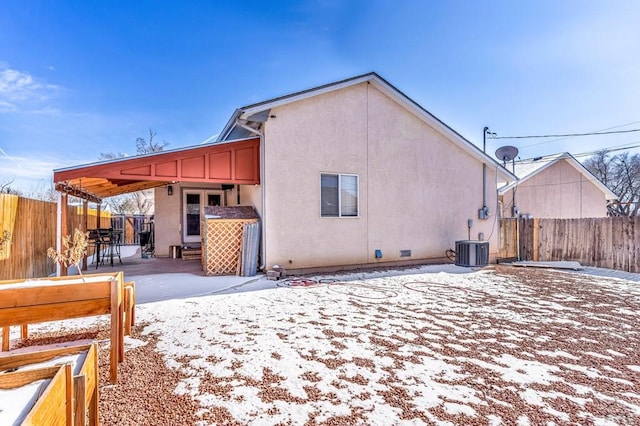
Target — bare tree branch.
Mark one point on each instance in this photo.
(5, 187)
(140, 202)
(621, 174)
(147, 147)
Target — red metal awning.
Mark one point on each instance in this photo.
(234, 162)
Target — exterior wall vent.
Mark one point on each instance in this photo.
(405, 253)
(472, 253)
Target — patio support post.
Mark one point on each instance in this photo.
(63, 210)
(98, 214)
(85, 226)
(58, 228)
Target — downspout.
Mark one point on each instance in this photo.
(484, 168)
(263, 235)
(484, 186)
(513, 201)
(262, 198)
(483, 212)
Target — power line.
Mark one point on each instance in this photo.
(553, 157)
(568, 135)
(613, 149)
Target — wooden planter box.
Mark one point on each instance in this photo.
(43, 395)
(64, 401)
(25, 302)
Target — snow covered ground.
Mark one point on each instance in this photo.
(441, 345)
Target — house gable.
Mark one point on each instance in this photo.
(417, 188)
(528, 168)
(251, 118)
(557, 189)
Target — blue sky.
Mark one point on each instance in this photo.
(78, 78)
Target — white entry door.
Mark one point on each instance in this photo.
(193, 203)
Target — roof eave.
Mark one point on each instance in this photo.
(245, 112)
(226, 130)
(250, 110)
(609, 194)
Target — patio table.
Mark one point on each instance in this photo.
(107, 244)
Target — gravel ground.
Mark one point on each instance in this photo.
(500, 346)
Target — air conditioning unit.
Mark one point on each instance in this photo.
(472, 253)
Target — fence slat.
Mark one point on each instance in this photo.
(508, 238)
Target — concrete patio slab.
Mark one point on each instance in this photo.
(161, 278)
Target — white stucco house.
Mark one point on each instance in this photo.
(554, 186)
(348, 174)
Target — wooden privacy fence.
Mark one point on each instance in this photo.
(610, 242)
(33, 232)
(8, 211)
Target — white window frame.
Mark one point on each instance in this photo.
(340, 215)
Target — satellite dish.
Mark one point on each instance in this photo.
(507, 153)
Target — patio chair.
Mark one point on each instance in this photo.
(111, 242)
(96, 242)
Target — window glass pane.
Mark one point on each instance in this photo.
(329, 195)
(349, 195)
(213, 199)
(193, 214)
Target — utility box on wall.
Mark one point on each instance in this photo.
(472, 253)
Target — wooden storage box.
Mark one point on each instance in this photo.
(23, 368)
(37, 397)
(221, 231)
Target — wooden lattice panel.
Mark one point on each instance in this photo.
(221, 245)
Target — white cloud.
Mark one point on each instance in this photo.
(47, 111)
(12, 167)
(17, 88)
(6, 106)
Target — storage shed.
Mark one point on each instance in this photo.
(230, 240)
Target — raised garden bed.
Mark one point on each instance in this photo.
(25, 302)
